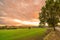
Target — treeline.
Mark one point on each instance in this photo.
(17, 27)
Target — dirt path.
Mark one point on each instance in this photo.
(57, 28)
(54, 35)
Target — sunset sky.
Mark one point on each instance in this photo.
(19, 12)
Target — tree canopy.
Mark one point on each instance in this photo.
(50, 13)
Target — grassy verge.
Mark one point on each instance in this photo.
(22, 34)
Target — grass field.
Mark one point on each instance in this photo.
(22, 34)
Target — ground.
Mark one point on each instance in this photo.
(23, 34)
(53, 35)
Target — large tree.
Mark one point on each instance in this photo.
(50, 13)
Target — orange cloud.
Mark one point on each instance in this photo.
(25, 10)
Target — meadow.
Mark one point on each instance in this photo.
(22, 34)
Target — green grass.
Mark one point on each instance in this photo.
(20, 34)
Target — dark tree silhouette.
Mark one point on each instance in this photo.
(50, 13)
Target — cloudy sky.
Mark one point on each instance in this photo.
(18, 12)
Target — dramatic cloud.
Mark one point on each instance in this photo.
(25, 10)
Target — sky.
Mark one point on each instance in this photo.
(19, 12)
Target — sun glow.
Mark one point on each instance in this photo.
(30, 23)
(26, 22)
(17, 20)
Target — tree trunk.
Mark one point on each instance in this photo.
(54, 28)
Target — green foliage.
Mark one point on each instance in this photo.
(50, 13)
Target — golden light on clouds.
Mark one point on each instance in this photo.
(26, 22)
(20, 11)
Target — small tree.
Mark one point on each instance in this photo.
(50, 13)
